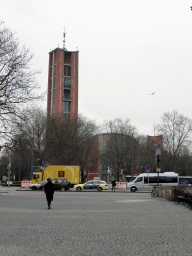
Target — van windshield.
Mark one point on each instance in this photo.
(139, 179)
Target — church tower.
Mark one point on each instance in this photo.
(62, 97)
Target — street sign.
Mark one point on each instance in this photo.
(108, 171)
(158, 170)
(147, 168)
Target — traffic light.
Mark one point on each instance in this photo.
(158, 160)
(8, 169)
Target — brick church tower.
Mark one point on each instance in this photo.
(62, 97)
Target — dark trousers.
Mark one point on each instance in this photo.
(113, 188)
(49, 199)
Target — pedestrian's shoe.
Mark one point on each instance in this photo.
(49, 207)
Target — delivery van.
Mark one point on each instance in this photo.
(146, 181)
(71, 173)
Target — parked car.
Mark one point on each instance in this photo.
(91, 185)
(38, 185)
(59, 184)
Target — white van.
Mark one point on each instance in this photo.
(146, 181)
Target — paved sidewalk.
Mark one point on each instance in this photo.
(5, 188)
(92, 224)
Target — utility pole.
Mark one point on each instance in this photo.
(32, 155)
(9, 165)
(9, 171)
(109, 174)
(132, 158)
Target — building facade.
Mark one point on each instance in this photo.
(99, 163)
(155, 140)
(62, 100)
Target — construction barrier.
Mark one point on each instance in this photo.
(25, 183)
(120, 185)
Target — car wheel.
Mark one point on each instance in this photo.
(133, 189)
(62, 189)
(100, 189)
(34, 188)
(79, 189)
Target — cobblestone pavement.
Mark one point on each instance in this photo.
(92, 223)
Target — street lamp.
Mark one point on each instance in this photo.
(109, 173)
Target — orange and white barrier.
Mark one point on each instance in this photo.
(25, 183)
(120, 185)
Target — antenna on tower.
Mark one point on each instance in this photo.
(154, 128)
(64, 39)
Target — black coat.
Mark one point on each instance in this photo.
(113, 183)
(49, 190)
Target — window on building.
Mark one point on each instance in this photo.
(54, 70)
(66, 94)
(67, 70)
(66, 106)
(54, 94)
(53, 108)
(66, 116)
(67, 57)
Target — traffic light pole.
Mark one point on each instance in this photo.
(158, 153)
(158, 160)
(8, 177)
(9, 171)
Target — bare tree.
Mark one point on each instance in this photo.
(176, 130)
(32, 130)
(118, 147)
(27, 144)
(87, 157)
(18, 85)
(3, 165)
(68, 142)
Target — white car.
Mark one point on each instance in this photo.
(38, 185)
(91, 185)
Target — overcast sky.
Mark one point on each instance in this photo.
(127, 50)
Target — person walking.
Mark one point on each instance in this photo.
(113, 185)
(49, 191)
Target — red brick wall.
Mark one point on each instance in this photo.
(74, 87)
(155, 140)
(92, 168)
(59, 86)
(49, 86)
(57, 82)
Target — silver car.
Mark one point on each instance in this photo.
(38, 185)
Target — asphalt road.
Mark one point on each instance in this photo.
(92, 223)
